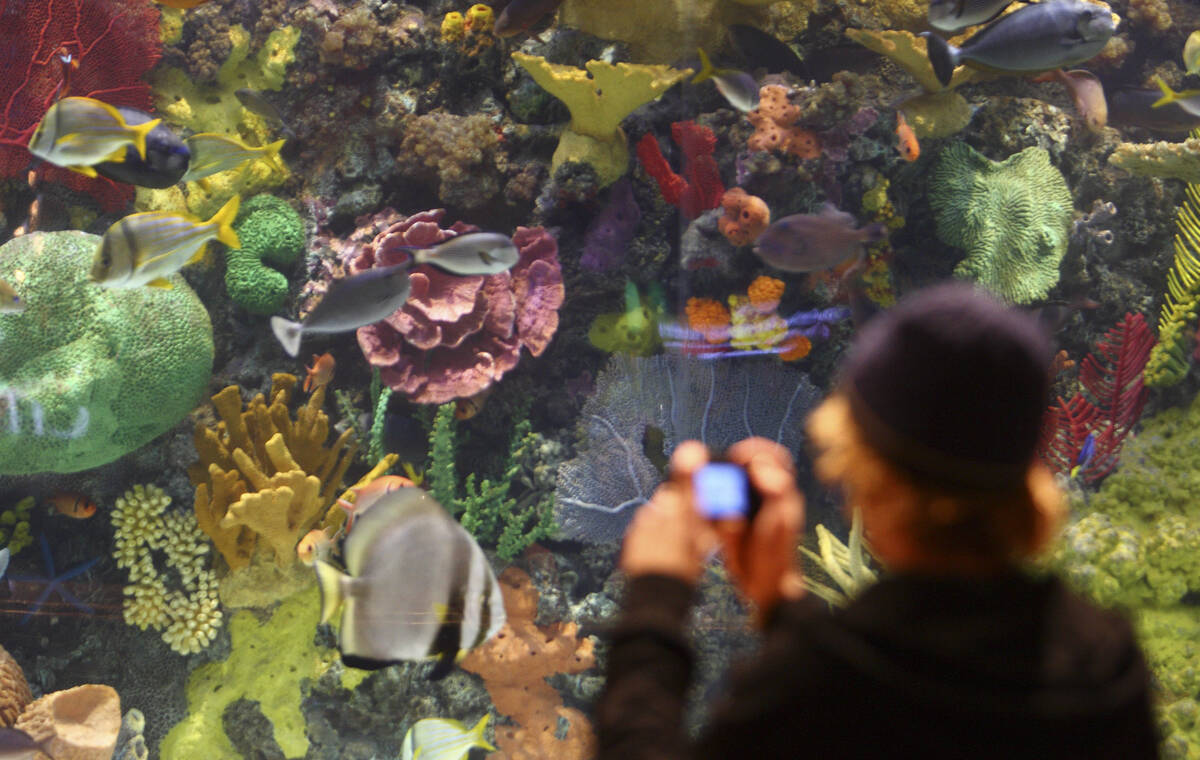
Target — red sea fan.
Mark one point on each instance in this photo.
(114, 43)
(1116, 395)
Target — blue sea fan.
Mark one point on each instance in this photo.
(718, 403)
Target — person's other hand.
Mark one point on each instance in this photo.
(761, 556)
(667, 535)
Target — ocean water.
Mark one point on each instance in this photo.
(166, 466)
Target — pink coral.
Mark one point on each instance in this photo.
(457, 335)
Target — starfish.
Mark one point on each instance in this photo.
(54, 583)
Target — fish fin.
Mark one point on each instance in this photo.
(329, 578)
(86, 171)
(224, 221)
(161, 282)
(139, 135)
(706, 68)
(198, 256)
(271, 153)
(942, 56)
(1169, 95)
(288, 333)
(477, 732)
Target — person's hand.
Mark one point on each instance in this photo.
(667, 535)
(761, 556)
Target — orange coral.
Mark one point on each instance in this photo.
(765, 293)
(795, 348)
(775, 125)
(708, 317)
(746, 216)
(514, 666)
(804, 143)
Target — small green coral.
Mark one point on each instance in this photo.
(1012, 218)
(15, 533)
(271, 232)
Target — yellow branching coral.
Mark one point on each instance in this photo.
(907, 50)
(598, 99)
(190, 616)
(1169, 359)
(260, 460)
(1170, 160)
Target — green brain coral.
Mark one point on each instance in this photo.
(1012, 217)
(272, 232)
(91, 373)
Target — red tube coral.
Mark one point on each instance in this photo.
(113, 43)
(700, 187)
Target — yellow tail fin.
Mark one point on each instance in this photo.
(706, 68)
(138, 134)
(1169, 95)
(271, 153)
(224, 221)
(477, 732)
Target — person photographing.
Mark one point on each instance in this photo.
(956, 652)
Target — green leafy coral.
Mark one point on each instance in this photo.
(1169, 359)
(486, 507)
(1012, 218)
(271, 232)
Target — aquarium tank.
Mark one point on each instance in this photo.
(278, 275)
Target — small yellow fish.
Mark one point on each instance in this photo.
(10, 302)
(314, 546)
(144, 249)
(1191, 53)
(78, 133)
(212, 153)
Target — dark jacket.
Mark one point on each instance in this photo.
(916, 667)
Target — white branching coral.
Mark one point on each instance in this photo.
(190, 616)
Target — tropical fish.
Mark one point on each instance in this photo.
(815, 242)
(166, 157)
(738, 88)
(5, 556)
(350, 303)
(144, 249)
(1134, 107)
(466, 408)
(181, 4)
(78, 133)
(906, 140)
(474, 253)
(10, 301)
(255, 101)
(320, 373)
(443, 739)
(763, 50)
(1038, 37)
(71, 504)
(1086, 452)
(213, 153)
(315, 545)
(367, 496)
(1087, 93)
(1188, 100)
(417, 585)
(519, 15)
(15, 744)
(1191, 53)
(955, 15)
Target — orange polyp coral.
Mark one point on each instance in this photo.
(795, 348)
(774, 122)
(765, 294)
(804, 143)
(709, 318)
(746, 216)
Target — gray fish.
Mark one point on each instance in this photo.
(255, 101)
(474, 253)
(350, 303)
(955, 15)
(739, 88)
(815, 242)
(1038, 37)
(416, 585)
(5, 556)
(1134, 106)
(15, 744)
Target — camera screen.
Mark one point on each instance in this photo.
(721, 491)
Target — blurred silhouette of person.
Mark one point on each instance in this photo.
(956, 652)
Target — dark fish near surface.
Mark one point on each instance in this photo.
(350, 303)
(1038, 37)
(762, 50)
(815, 242)
(519, 15)
(1134, 107)
(166, 158)
(416, 585)
(955, 15)
(255, 101)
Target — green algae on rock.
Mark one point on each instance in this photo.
(1012, 217)
(91, 373)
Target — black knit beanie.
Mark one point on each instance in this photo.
(951, 385)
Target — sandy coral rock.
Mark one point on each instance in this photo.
(83, 721)
(1171, 160)
(461, 155)
(14, 691)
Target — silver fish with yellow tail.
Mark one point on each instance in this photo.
(78, 133)
(144, 249)
(443, 739)
(213, 153)
(416, 586)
